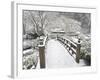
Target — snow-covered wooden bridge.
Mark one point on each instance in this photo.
(55, 55)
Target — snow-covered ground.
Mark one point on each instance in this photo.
(58, 57)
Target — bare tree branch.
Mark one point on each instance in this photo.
(34, 22)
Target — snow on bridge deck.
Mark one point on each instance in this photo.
(57, 56)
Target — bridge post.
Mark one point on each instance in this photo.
(42, 56)
(78, 51)
(42, 52)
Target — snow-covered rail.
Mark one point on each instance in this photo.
(43, 41)
(73, 49)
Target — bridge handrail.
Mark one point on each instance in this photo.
(69, 41)
(71, 46)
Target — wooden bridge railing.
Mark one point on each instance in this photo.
(73, 48)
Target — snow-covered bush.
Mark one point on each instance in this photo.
(30, 61)
(86, 49)
(27, 44)
(86, 45)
